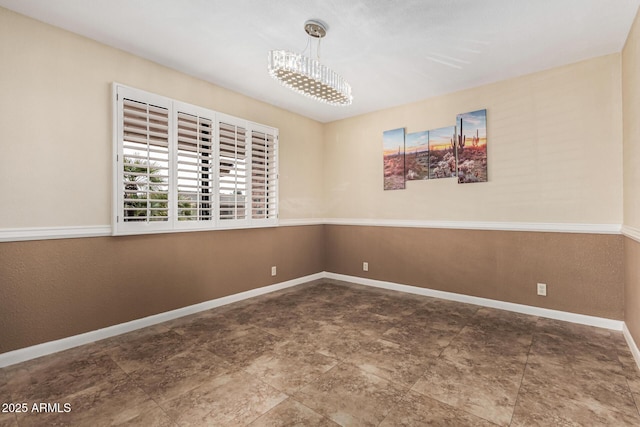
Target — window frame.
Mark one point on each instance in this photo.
(173, 223)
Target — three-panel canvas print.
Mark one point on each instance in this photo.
(458, 151)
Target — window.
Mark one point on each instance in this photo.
(183, 167)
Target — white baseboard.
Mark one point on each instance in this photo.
(583, 319)
(28, 353)
(632, 344)
(24, 354)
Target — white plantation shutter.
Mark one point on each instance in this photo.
(182, 167)
(196, 167)
(232, 169)
(263, 174)
(143, 172)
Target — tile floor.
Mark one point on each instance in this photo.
(330, 353)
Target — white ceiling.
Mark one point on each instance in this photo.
(391, 51)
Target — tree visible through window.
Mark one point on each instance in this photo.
(181, 167)
(143, 195)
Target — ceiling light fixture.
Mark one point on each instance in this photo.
(308, 76)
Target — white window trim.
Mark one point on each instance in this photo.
(120, 227)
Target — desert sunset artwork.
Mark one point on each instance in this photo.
(416, 158)
(471, 137)
(442, 157)
(393, 151)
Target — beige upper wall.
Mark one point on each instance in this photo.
(554, 153)
(55, 126)
(631, 127)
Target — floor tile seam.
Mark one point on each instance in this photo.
(293, 398)
(244, 370)
(269, 385)
(464, 410)
(119, 366)
(404, 396)
(150, 397)
(574, 367)
(395, 404)
(139, 388)
(624, 365)
(524, 370)
(387, 379)
(624, 368)
(262, 329)
(458, 333)
(441, 352)
(101, 382)
(403, 386)
(581, 339)
(206, 348)
(175, 399)
(336, 366)
(388, 412)
(104, 381)
(636, 400)
(590, 395)
(162, 408)
(614, 409)
(175, 420)
(161, 402)
(266, 332)
(401, 345)
(395, 382)
(494, 335)
(450, 405)
(157, 407)
(264, 413)
(462, 365)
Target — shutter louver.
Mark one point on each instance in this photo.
(145, 162)
(263, 176)
(195, 168)
(232, 170)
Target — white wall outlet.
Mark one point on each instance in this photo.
(542, 289)
(365, 266)
(273, 270)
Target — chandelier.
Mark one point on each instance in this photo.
(308, 76)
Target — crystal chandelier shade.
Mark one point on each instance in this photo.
(308, 76)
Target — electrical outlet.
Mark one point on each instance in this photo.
(273, 270)
(365, 266)
(542, 289)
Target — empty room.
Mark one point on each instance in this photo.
(363, 213)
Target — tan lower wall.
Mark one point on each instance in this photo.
(632, 287)
(53, 289)
(584, 272)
